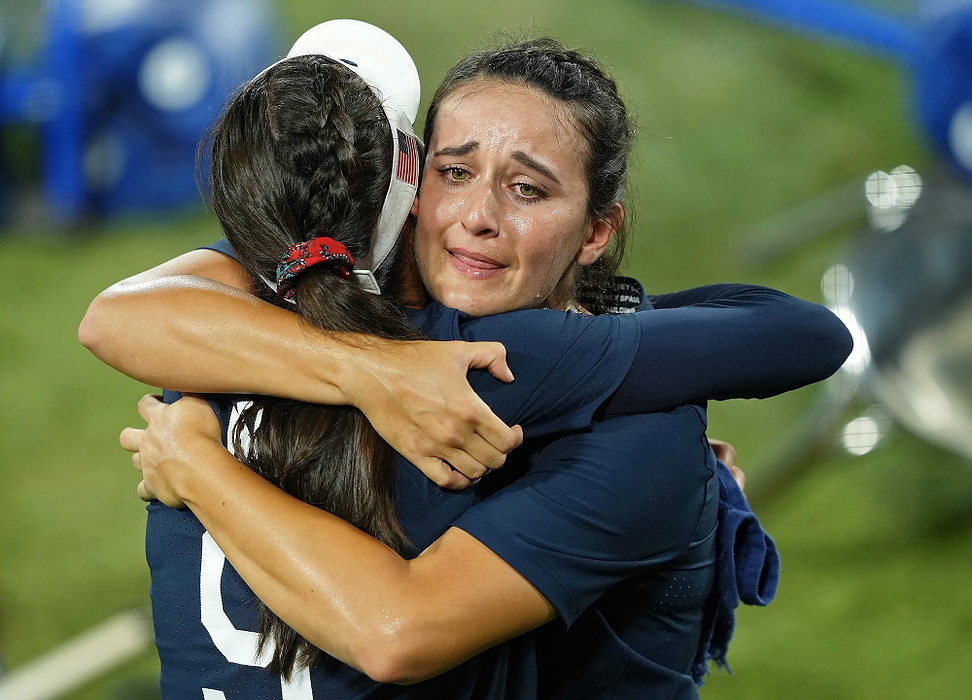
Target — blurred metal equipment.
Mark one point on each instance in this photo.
(122, 90)
(906, 290)
(932, 42)
(907, 296)
(905, 293)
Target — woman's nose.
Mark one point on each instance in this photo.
(479, 214)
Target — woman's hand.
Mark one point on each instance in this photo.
(726, 454)
(178, 436)
(417, 397)
(158, 327)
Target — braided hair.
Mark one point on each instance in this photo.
(599, 114)
(304, 150)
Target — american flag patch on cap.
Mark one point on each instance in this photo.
(407, 170)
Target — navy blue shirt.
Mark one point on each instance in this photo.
(616, 527)
(613, 524)
(212, 646)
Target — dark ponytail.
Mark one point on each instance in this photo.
(304, 150)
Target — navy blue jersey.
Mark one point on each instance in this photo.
(204, 614)
(616, 528)
(612, 523)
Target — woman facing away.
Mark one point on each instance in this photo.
(365, 604)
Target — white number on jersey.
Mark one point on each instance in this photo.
(237, 646)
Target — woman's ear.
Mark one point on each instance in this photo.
(414, 210)
(602, 231)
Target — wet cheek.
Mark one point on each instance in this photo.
(542, 272)
(549, 249)
(446, 204)
(423, 256)
(433, 221)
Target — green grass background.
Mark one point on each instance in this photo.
(739, 123)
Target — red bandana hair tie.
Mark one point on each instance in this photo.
(302, 256)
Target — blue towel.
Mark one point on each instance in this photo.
(747, 570)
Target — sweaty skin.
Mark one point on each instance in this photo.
(192, 324)
(503, 216)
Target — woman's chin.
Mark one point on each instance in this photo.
(479, 302)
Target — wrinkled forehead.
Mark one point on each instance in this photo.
(513, 111)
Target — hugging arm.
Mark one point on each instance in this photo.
(191, 324)
(402, 621)
(729, 341)
(397, 620)
(716, 342)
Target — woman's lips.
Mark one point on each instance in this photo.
(473, 264)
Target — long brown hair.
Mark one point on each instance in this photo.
(304, 150)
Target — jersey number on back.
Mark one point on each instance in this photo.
(237, 646)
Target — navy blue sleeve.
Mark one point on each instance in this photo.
(566, 365)
(707, 343)
(221, 246)
(729, 341)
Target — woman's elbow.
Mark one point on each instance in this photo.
(385, 667)
(93, 329)
(845, 344)
(833, 342)
(842, 342)
(398, 658)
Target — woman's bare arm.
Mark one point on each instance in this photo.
(397, 620)
(191, 324)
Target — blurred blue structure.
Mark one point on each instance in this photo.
(932, 41)
(122, 90)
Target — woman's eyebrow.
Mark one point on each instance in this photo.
(524, 159)
(462, 150)
(519, 156)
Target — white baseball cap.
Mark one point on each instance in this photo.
(386, 66)
(372, 53)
